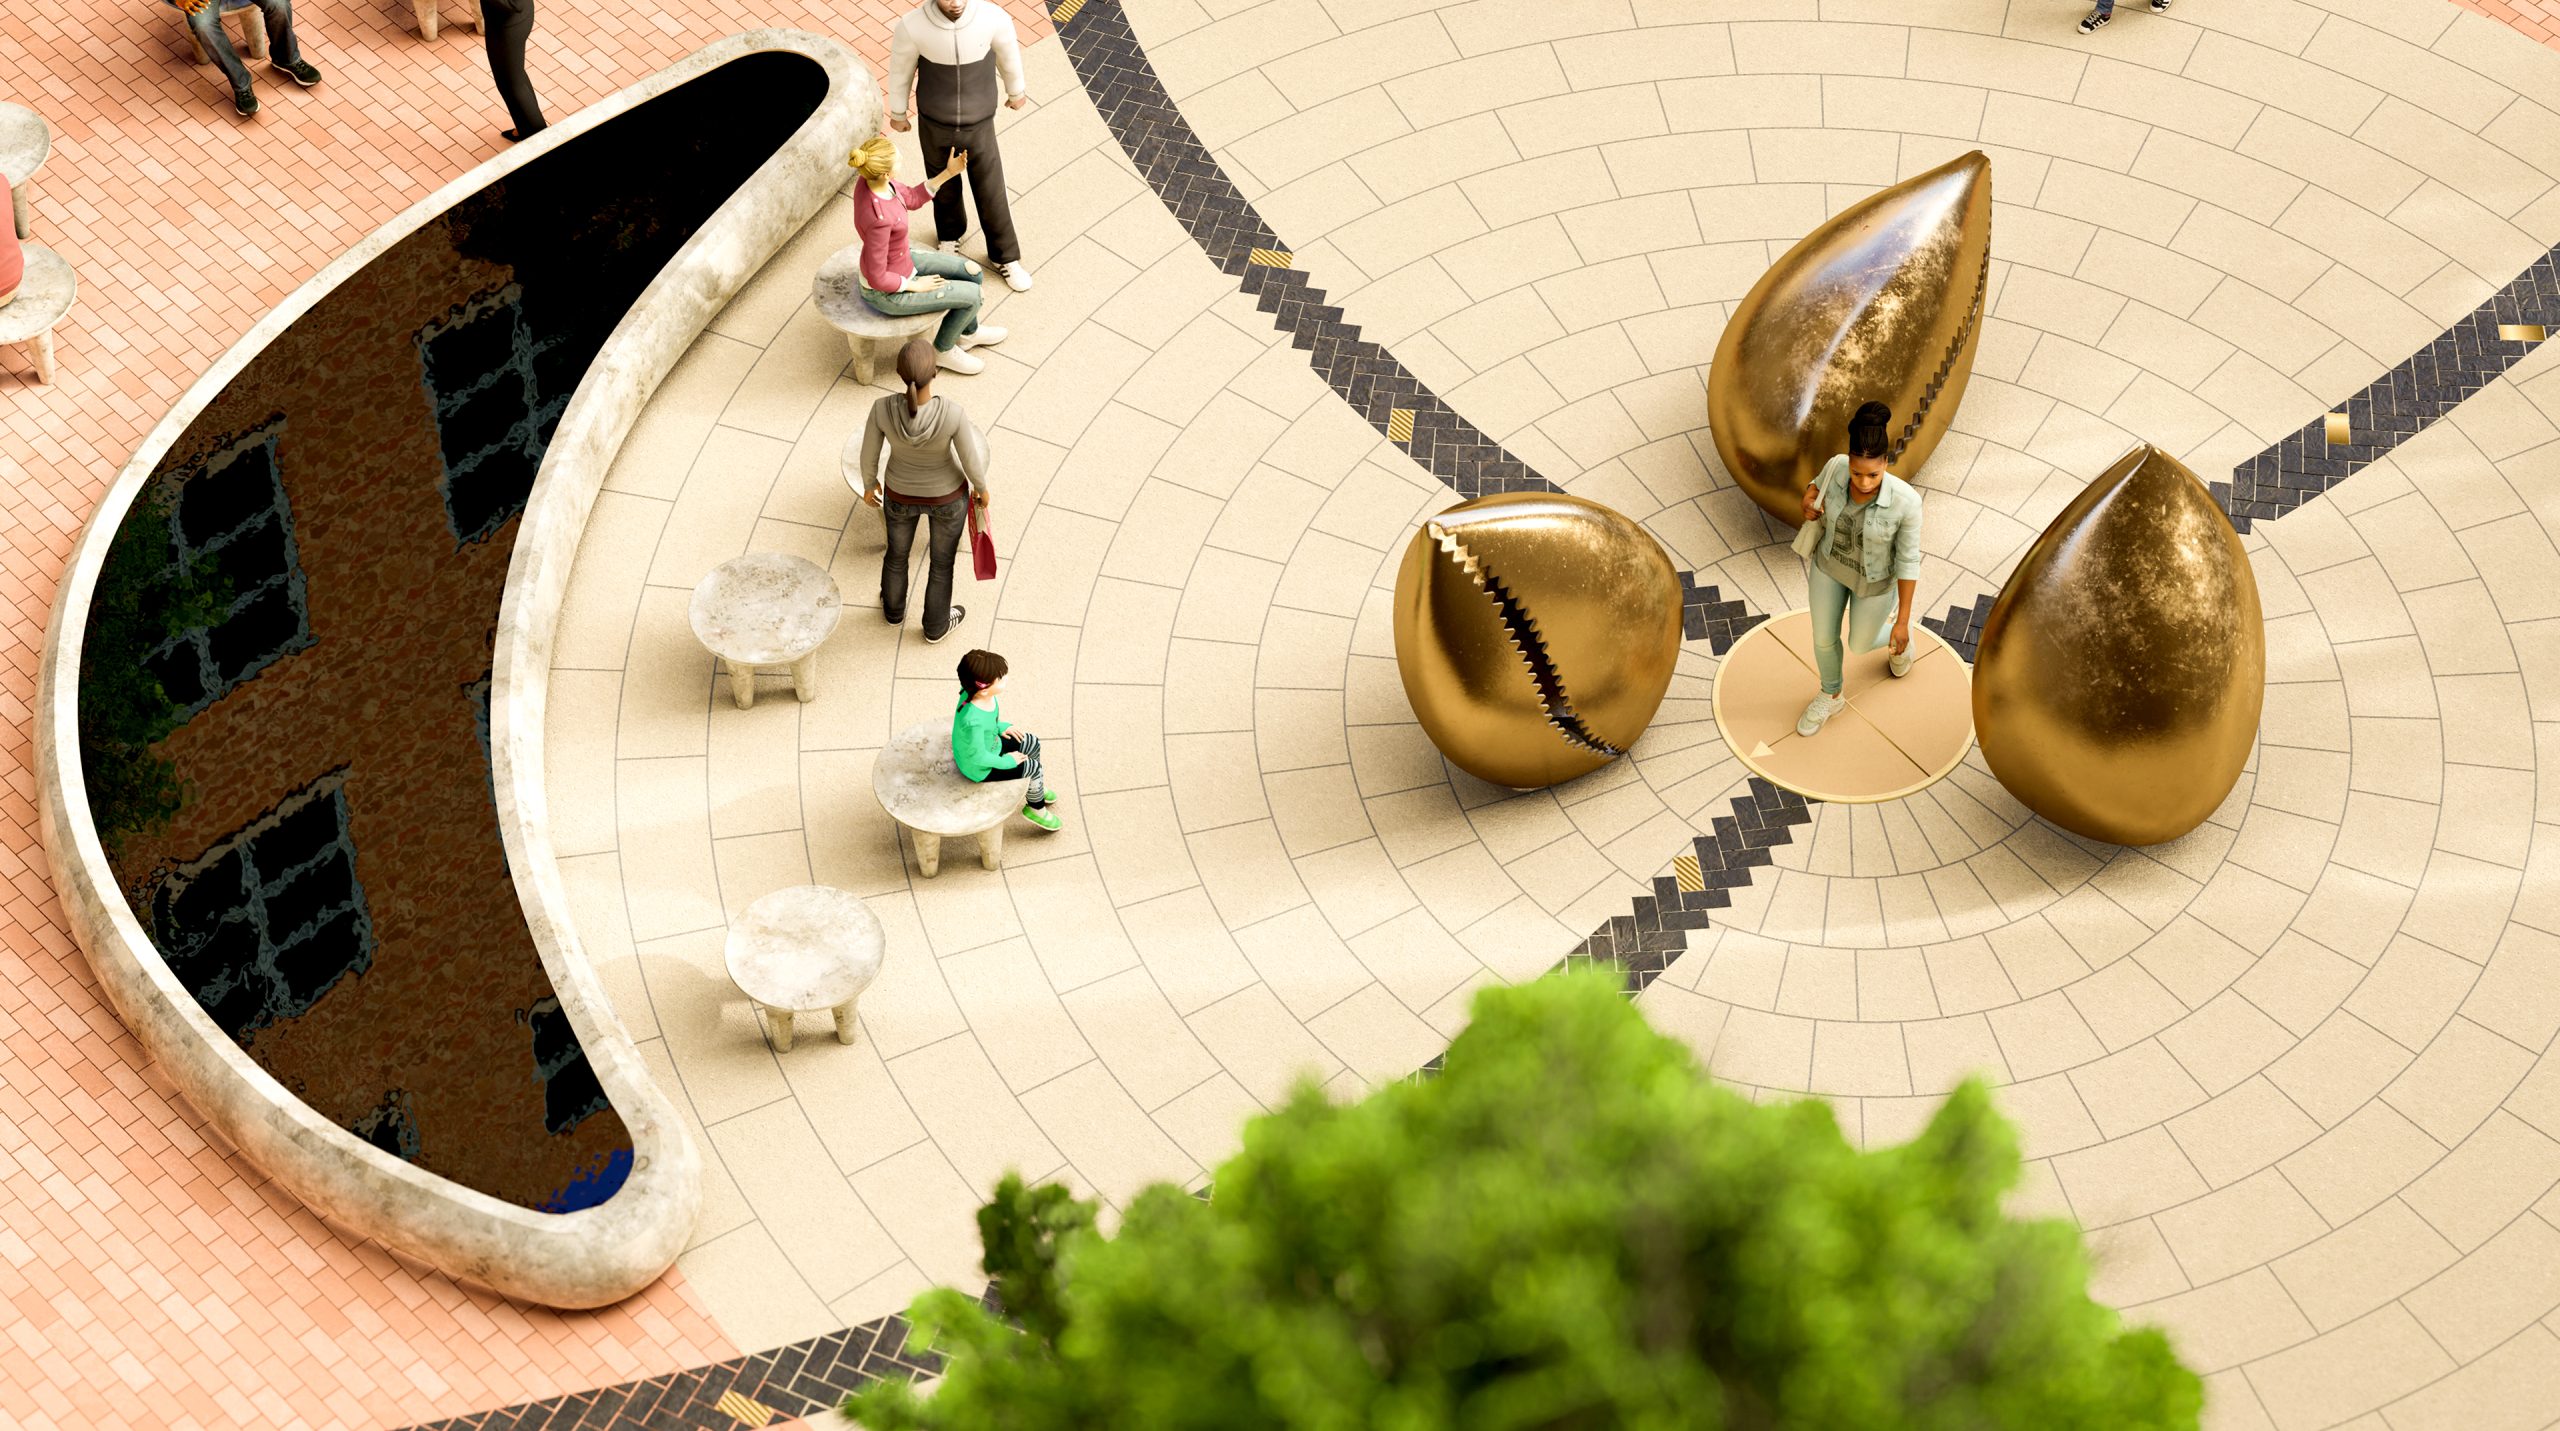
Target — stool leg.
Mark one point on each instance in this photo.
(425, 10)
(804, 677)
(844, 1019)
(44, 356)
(928, 853)
(863, 366)
(21, 202)
(254, 21)
(742, 685)
(779, 1020)
(991, 846)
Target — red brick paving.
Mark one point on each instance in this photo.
(2538, 18)
(147, 1276)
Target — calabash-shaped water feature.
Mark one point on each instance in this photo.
(1883, 303)
(2117, 685)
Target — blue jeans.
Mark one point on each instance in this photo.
(957, 299)
(207, 23)
(2106, 7)
(1870, 619)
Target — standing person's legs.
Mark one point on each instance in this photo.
(938, 141)
(2104, 7)
(986, 189)
(1871, 619)
(949, 520)
(901, 520)
(207, 23)
(505, 26)
(1827, 599)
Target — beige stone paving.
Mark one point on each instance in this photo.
(2289, 1070)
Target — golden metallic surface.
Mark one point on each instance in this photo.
(2117, 684)
(1536, 633)
(1881, 304)
(2335, 428)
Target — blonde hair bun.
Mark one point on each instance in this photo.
(874, 158)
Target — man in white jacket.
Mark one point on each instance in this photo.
(950, 54)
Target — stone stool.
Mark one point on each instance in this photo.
(45, 296)
(253, 30)
(25, 144)
(932, 801)
(466, 13)
(866, 329)
(805, 950)
(766, 611)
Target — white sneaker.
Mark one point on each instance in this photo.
(987, 336)
(1901, 665)
(1822, 708)
(1017, 275)
(961, 361)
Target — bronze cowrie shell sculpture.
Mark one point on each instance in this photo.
(1536, 634)
(1883, 302)
(2117, 685)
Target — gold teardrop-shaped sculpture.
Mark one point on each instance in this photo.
(2117, 683)
(1536, 633)
(1881, 304)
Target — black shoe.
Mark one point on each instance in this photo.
(2159, 7)
(959, 613)
(2090, 25)
(512, 137)
(301, 73)
(245, 100)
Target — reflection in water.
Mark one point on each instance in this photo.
(284, 696)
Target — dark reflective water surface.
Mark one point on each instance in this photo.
(284, 691)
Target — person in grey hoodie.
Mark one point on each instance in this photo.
(936, 461)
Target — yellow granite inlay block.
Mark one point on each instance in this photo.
(2522, 332)
(1267, 257)
(1684, 873)
(735, 1404)
(1400, 424)
(2339, 436)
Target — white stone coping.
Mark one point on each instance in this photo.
(597, 1255)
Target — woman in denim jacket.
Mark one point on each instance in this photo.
(1865, 563)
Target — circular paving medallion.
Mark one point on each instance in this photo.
(1898, 735)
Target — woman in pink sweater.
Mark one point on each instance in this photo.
(899, 279)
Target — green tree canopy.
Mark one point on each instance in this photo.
(1570, 1227)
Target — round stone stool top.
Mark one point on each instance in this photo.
(838, 289)
(765, 609)
(24, 143)
(922, 790)
(44, 295)
(805, 948)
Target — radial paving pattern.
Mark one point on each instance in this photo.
(2289, 1069)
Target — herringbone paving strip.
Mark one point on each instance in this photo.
(1160, 141)
(2400, 404)
(806, 1378)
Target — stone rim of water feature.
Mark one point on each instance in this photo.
(597, 1255)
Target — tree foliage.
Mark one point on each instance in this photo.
(1571, 1227)
(136, 607)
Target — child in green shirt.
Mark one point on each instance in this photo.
(986, 749)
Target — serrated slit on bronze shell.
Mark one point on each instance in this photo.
(1553, 699)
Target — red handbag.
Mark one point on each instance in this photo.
(982, 547)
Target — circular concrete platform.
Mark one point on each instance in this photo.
(1897, 737)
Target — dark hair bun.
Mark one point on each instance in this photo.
(1872, 414)
(1871, 431)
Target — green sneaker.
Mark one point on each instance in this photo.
(1044, 816)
